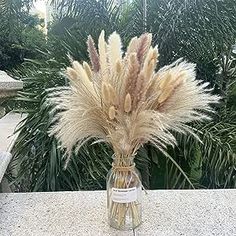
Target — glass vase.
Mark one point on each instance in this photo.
(124, 194)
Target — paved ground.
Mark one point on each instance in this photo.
(165, 213)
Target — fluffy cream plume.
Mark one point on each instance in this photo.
(134, 106)
(83, 79)
(114, 49)
(118, 67)
(113, 95)
(102, 49)
(150, 62)
(133, 45)
(143, 80)
(72, 74)
(80, 70)
(88, 70)
(105, 94)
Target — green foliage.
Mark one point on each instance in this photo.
(226, 79)
(39, 162)
(200, 31)
(19, 36)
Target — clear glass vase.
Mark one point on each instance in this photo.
(124, 194)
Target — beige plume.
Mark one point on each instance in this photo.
(80, 71)
(102, 49)
(133, 45)
(71, 73)
(127, 104)
(112, 112)
(113, 95)
(118, 67)
(83, 77)
(105, 93)
(114, 49)
(88, 70)
(133, 69)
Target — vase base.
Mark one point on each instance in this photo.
(126, 227)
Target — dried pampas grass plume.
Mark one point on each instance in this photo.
(93, 55)
(128, 102)
(121, 99)
(88, 70)
(112, 112)
(114, 49)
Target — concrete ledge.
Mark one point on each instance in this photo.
(8, 125)
(5, 158)
(165, 213)
(8, 83)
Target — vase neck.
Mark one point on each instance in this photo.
(123, 161)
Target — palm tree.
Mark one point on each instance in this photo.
(16, 27)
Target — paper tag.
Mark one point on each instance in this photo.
(124, 195)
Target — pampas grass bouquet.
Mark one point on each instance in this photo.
(119, 98)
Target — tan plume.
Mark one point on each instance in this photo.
(88, 70)
(112, 112)
(144, 43)
(93, 55)
(128, 102)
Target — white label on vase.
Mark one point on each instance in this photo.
(124, 195)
